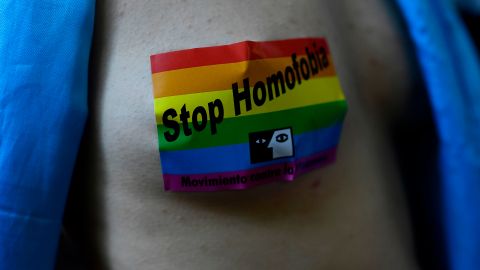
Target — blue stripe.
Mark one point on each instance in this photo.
(236, 157)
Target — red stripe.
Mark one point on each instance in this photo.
(236, 52)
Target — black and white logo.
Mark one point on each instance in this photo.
(270, 144)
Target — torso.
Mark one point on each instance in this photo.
(349, 215)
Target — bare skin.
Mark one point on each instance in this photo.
(350, 215)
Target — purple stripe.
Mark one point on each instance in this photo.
(236, 180)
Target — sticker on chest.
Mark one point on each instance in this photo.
(246, 114)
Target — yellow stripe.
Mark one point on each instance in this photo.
(311, 92)
(220, 77)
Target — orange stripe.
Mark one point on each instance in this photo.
(220, 77)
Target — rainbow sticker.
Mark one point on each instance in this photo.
(245, 114)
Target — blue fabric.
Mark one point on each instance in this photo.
(472, 6)
(451, 68)
(44, 51)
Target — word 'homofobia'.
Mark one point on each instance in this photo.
(275, 85)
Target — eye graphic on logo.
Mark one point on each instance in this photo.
(282, 137)
(270, 144)
(260, 141)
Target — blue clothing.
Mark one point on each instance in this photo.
(451, 68)
(44, 51)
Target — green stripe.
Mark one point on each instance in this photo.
(235, 130)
